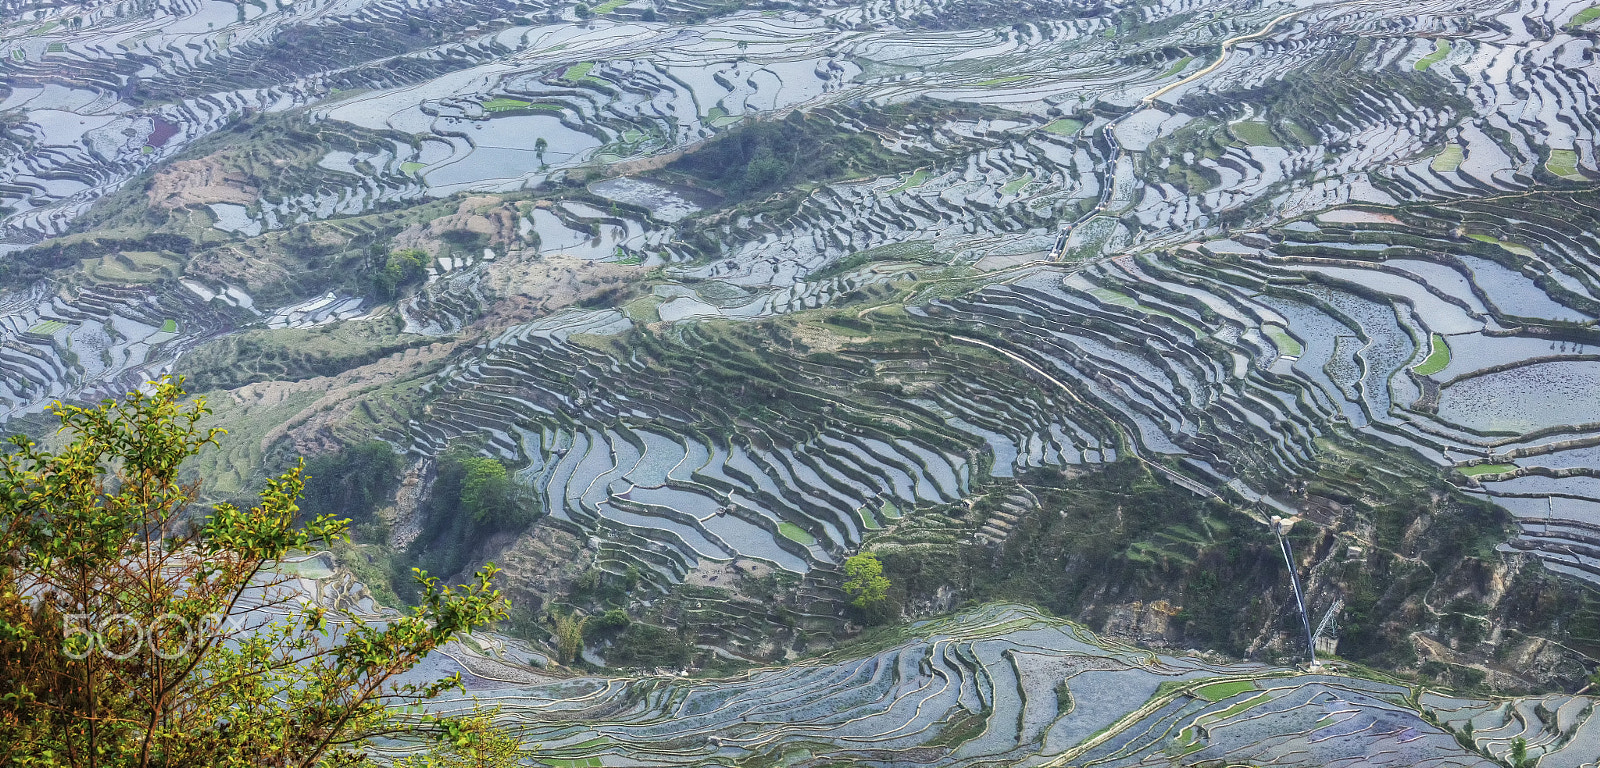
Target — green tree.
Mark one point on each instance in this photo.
(353, 482)
(1519, 753)
(136, 630)
(400, 269)
(864, 582)
(473, 497)
(469, 742)
(569, 634)
(486, 490)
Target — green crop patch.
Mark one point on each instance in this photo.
(1178, 66)
(1016, 185)
(1118, 298)
(1438, 357)
(1441, 49)
(48, 328)
(1486, 469)
(1507, 245)
(1585, 16)
(1254, 133)
(1253, 701)
(917, 179)
(1448, 160)
(868, 520)
(1224, 690)
(1564, 163)
(578, 71)
(503, 104)
(170, 326)
(1066, 126)
(1003, 80)
(796, 534)
(1286, 344)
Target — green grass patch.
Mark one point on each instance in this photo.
(581, 762)
(1012, 187)
(1563, 163)
(1441, 49)
(1004, 80)
(610, 5)
(719, 117)
(133, 267)
(1516, 248)
(47, 328)
(1178, 67)
(1281, 339)
(411, 167)
(1224, 690)
(293, 354)
(1299, 133)
(1486, 469)
(1066, 126)
(643, 309)
(1254, 133)
(170, 326)
(1449, 159)
(578, 71)
(797, 534)
(1585, 16)
(503, 104)
(1438, 357)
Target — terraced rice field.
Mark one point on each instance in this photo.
(1004, 684)
(1216, 239)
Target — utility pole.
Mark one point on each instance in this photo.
(1281, 526)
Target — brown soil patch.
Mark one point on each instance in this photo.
(483, 214)
(197, 182)
(528, 286)
(310, 430)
